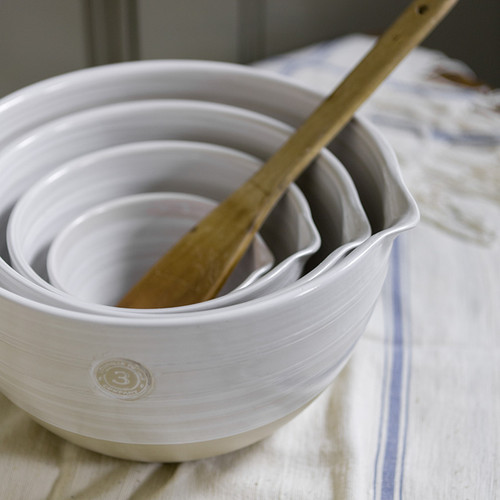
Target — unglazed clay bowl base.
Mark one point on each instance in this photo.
(175, 452)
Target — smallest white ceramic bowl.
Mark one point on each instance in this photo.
(100, 255)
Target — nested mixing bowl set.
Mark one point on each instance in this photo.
(99, 169)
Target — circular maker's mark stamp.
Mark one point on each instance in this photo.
(122, 378)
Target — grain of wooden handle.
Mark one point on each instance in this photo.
(195, 269)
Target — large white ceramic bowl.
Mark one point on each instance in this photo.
(339, 214)
(103, 253)
(184, 386)
(174, 166)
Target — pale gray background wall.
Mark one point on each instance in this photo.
(41, 38)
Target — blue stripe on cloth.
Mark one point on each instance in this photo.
(393, 422)
(418, 128)
(406, 410)
(388, 482)
(382, 420)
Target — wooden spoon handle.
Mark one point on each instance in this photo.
(195, 269)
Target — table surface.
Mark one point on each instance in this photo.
(416, 412)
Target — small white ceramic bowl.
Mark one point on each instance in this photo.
(105, 251)
(180, 166)
(207, 382)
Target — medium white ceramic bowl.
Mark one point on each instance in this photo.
(208, 170)
(106, 251)
(184, 386)
(340, 216)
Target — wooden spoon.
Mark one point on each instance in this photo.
(195, 269)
